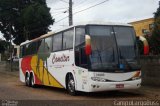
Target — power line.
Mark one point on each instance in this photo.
(84, 10)
(60, 8)
(80, 4)
(58, 12)
(87, 3)
(64, 1)
(55, 15)
(91, 6)
(61, 19)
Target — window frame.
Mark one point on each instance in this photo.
(72, 28)
(75, 46)
(51, 43)
(56, 34)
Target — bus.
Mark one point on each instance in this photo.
(89, 57)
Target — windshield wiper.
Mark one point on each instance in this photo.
(99, 55)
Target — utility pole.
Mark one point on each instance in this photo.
(70, 13)
(10, 46)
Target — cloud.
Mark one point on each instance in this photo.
(114, 10)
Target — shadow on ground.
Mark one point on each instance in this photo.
(96, 95)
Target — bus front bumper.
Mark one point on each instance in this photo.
(96, 86)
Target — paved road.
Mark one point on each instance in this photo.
(12, 89)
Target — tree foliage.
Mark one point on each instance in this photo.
(25, 19)
(3, 46)
(155, 38)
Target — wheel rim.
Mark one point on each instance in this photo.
(71, 85)
(32, 81)
(27, 80)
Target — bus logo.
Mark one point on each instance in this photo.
(62, 58)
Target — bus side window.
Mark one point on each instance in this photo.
(80, 56)
(57, 42)
(48, 45)
(80, 36)
(68, 39)
(23, 50)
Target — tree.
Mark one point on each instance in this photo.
(3, 46)
(155, 38)
(25, 19)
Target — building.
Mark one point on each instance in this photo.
(143, 27)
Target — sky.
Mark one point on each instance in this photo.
(123, 11)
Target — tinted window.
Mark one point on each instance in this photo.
(57, 42)
(103, 47)
(23, 50)
(27, 50)
(80, 36)
(32, 48)
(125, 37)
(68, 39)
(100, 30)
(48, 44)
(41, 46)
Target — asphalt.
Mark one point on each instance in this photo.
(149, 91)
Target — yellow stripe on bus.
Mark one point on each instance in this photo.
(42, 73)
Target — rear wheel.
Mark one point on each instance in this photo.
(27, 79)
(71, 85)
(31, 81)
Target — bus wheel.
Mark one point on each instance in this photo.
(27, 79)
(71, 85)
(31, 81)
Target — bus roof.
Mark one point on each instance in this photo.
(79, 24)
(42, 36)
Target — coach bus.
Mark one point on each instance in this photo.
(89, 57)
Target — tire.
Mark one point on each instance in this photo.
(27, 79)
(31, 81)
(71, 85)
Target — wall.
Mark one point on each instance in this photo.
(142, 24)
(5, 66)
(150, 70)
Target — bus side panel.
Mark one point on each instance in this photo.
(81, 75)
(42, 73)
(59, 64)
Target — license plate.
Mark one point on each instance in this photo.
(119, 85)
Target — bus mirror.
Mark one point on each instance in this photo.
(87, 44)
(146, 45)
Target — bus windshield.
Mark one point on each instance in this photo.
(111, 46)
(125, 38)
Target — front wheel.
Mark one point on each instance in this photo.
(71, 85)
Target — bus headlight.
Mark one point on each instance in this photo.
(137, 75)
(98, 79)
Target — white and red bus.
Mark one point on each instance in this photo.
(89, 57)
